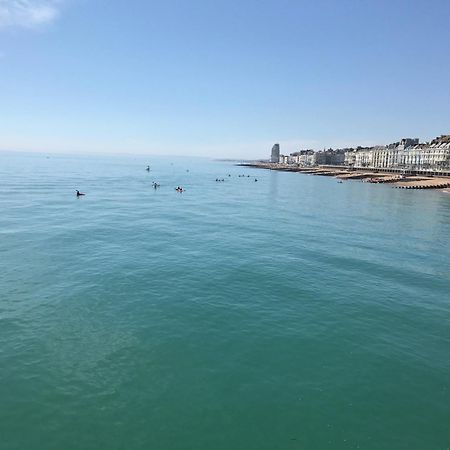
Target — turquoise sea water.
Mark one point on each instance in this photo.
(289, 313)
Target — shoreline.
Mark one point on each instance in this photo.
(369, 176)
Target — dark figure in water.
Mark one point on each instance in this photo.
(148, 169)
(79, 194)
(256, 179)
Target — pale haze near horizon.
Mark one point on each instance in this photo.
(221, 79)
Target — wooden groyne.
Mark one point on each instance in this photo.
(424, 183)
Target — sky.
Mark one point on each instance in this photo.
(221, 78)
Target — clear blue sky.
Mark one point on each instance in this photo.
(221, 78)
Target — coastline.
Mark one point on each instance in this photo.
(374, 176)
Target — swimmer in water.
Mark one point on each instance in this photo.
(79, 194)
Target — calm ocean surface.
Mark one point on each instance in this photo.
(289, 313)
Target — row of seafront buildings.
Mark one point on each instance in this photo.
(406, 155)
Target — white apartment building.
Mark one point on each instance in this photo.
(350, 158)
(407, 154)
(364, 158)
(427, 158)
(303, 158)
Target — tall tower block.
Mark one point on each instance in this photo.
(275, 155)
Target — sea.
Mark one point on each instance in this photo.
(267, 311)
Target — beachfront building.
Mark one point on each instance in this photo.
(407, 154)
(350, 157)
(363, 157)
(384, 157)
(432, 156)
(309, 158)
(303, 158)
(330, 157)
(275, 155)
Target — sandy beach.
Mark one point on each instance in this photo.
(370, 176)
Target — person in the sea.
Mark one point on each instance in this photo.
(79, 194)
(148, 169)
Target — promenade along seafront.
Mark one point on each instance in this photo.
(406, 164)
